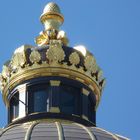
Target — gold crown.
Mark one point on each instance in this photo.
(52, 57)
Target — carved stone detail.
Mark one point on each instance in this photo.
(74, 58)
(35, 56)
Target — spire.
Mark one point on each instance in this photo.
(52, 19)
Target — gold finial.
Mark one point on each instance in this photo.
(51, 16)
(52, 20)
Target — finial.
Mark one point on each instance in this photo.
(52, 20)
(51, 16)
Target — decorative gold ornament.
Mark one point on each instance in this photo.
(99, 75)
(52, 33)
(52, 20)
(52, 17)
(52, 67)
(51, 7)
(18, 60)
(62, 36)
(55, 53)
(46, 37)
(90, 64)
(42, 40)
(35, 56)
(74, 58)
(6, 70)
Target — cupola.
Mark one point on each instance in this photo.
(52, 79)
(52, 90)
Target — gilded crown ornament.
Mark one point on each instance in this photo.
(52, 19)
(52, 57)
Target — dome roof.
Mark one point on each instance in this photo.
(42, 130)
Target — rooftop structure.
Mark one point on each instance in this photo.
(52, 91)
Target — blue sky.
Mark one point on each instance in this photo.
(110, 29)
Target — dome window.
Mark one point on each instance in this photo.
(39, 99)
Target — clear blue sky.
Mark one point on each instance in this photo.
(110, 29)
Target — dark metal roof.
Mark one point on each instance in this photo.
(44, 130)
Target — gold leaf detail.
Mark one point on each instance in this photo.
(90, 64)
(6, 70)
(56, 43)
(18, 60)
(42, 39)
(55, 53)
(51, 33)
(35, 56)
(62, 36)
(100, 75)
(74, 58)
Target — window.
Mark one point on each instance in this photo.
(38, 98)
(69, 100)
(91, 109)
(14, 106)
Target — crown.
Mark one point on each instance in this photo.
(52, 57)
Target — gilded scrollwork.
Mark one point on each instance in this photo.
(35, 56)
(42, 39)
(74, 58)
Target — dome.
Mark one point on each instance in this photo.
(47, 130)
